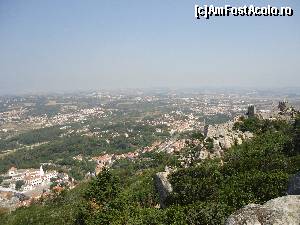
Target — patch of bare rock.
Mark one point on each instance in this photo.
(279, 211)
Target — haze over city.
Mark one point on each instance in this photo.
(149, 112)
(68, 46)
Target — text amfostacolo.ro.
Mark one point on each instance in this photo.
(207, 11)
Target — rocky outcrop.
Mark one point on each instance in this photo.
(224, 137)
(280, 211)
(163, 186)
(294, 185)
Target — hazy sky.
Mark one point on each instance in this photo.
(63, 45)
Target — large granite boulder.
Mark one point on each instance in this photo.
(280, 211)
(248, 135)
(227, 142)
(163, 187)
(204, 154)
(294, 185)
(216, 144)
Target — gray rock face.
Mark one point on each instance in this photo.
(163, 187)
(224, 136)
(294, 185)
(280, 211)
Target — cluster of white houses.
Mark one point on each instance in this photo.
(31, 177)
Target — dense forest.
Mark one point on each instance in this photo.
(205, 193)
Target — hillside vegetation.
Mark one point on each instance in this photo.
(253, 172)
